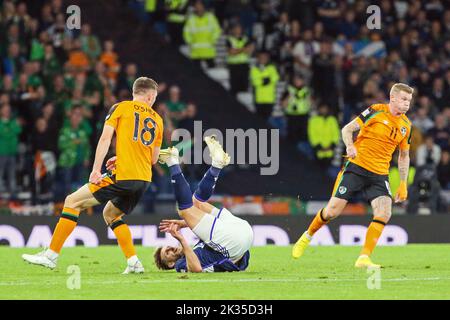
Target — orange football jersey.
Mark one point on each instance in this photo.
(381, 133)
(139, 130)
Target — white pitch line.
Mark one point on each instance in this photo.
(16, 283)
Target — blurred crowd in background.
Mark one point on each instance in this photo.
(333, 63)
(57, 84)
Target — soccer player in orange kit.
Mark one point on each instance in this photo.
(139, 131)
(383, 128)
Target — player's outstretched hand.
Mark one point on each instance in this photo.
(95, 177)
(174, 230)
(165, 224)
(402, 192)
(111, 163)
(351, 152)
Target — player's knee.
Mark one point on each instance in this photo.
(383, 216)
(109, 216)
(382, 208)
(328, 214)
(71, 202)
(331, 211)
(106, 215)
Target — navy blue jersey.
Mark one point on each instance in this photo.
(213, 261)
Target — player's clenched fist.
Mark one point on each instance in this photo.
(351, 152)
(402, 192)
(95, 177)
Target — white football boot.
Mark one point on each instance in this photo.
(134, 266)
(219, 157)
(169, 156)
(46, 258)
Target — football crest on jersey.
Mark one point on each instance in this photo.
(342, 189)
(403, 131)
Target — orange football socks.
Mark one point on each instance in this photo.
(317, 223)
(373, 234)
(66, 224)
(123, 235)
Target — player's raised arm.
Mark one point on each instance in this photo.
(347, 136)
(100, 154)
(193, 264)
(192, 261)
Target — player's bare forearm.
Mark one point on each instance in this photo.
(100, 154)
(103, 147)
(403, 165)
(347, 137)
(347, 132)
(403, 168)
(193, 263)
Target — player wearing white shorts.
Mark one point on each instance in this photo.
(225, 239)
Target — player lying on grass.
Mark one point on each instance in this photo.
(225, 240)
(138, 131)
(383, 128)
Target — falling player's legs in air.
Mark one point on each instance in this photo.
(192, 208)
(219, 229)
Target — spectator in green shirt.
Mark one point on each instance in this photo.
(37, 50)
(175, 106)
(74, 150)
(51, 66)
(125, 82)
(96, 82)
(9, 137)
(90, 43)
(78, 99)
(60, 95)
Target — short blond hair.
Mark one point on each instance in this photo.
(142, 84)
(398, 87)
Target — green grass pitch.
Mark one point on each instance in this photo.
(410, 272)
